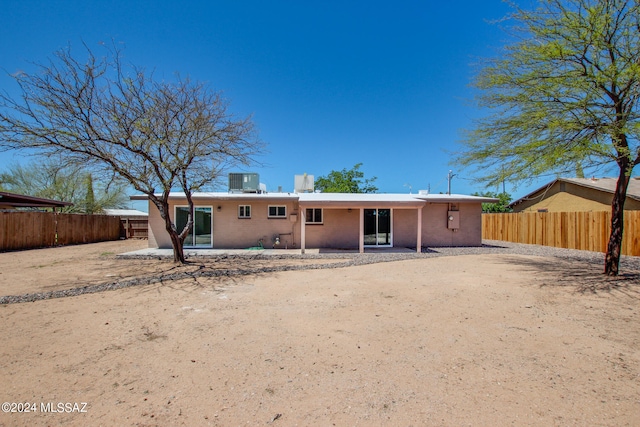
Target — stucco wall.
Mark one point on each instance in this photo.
(568, 197)
(158, 237)
(340, 228)
(565, 202)
(405, 227)
(232, 232)
(436, 233)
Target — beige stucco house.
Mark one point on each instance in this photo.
(323, 220)
(577, 195)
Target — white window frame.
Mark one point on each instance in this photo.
(313, 216)
(242, 211)
(277, 207)
(193, 243)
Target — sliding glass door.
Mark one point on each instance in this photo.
(377, 227)
(200, 235)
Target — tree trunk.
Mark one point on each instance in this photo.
(612, 257)
(177, 243)
(176, 240)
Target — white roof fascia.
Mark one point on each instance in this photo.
(455, 198)
(337, 198)
(223, 196)
(356, 197)
(355, 200)
(245, 196)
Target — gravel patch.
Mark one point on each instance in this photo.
(489, 247)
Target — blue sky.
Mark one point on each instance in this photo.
(329, 84)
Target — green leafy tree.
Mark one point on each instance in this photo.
(346, 181)
(54, 180)
(565, 93)
(503, 202)
(157, 135)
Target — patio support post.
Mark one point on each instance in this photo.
(419, 237)
(361, 230)
(303, 237)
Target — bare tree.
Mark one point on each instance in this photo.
(157, 135)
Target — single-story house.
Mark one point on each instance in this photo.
(12, 201)
(322, 220)
(577, 195)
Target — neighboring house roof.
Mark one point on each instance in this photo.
(124, 212)
(607, 185)
(12, 200)
(334, 199)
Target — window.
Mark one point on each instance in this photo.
(277, 211)
(244, 211)
(314, 216)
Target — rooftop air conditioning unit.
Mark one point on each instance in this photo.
(244, 183)
(303, 184)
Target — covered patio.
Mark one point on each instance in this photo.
(375, 223)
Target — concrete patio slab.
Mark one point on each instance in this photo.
(204, 253)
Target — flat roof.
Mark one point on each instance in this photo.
(364, 197)
(358, 200)
(455, 198)
(336, 199)
(125, 212)
(223, 196)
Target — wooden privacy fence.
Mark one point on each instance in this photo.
(134, 227)
(587, 231)
(24, 230)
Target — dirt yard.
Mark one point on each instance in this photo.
(476, 340)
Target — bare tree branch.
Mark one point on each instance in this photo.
(157, 135)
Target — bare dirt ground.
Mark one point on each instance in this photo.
(490, 339)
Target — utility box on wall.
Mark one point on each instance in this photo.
(453, 220)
